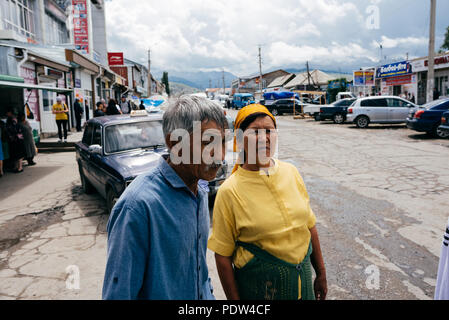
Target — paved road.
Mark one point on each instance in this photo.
(380, 196)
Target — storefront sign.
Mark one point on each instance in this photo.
(369, 78)
(116, 59)
(30, 96)
(80, 25)
(394, 69)
(398, 81)
(77, 83)
(441, 62)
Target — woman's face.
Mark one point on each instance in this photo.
(260, 141)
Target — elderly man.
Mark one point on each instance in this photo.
(158, 230)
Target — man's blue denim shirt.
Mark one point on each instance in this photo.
(157, 240)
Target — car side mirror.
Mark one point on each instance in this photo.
(95, 149)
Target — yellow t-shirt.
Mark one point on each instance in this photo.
(60, 107)
(271, 211)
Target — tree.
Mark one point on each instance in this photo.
(445, 45)
(164, 80)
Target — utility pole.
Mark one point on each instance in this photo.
(149, 73)
(223, 78)
(308, 73)
(260, 69)
(431, 72)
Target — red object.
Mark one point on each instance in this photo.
(115, 59)
(399, 80)
(418, 114)
(350, 110)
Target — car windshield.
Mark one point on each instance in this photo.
(130, 136)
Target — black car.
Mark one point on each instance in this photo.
(116, 149)
(428, 118)
(336, 111)
(282, 106)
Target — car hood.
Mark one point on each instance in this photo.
(132, 164)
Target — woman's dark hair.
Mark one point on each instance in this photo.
(250, 119)
(21, 117)
(111, 103)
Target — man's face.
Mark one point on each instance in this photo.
(205, 148)
(123, 99)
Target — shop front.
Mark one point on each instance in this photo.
(397, 79)
(421, 66)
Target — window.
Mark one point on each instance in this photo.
(18, 15)
(55, 30)
(87, 137)
(48, 100)
(97, 136)
(397, 103)
(374, 103)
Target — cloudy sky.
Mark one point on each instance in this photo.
(339, 35)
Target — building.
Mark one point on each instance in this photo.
(420, 68)
(317, 80)
(281, 81)
(250, 84)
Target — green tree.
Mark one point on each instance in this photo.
(164, 80)
(445, 45)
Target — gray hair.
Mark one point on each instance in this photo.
(185, 110)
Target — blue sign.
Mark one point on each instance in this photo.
(394, 69)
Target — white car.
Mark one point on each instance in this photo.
(313, 110)
(380, 109)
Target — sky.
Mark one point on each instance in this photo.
(337, 35)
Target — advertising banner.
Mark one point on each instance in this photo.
(369, 78)
(394, 69)
(359, 78)
(80, 26)
(115, 59)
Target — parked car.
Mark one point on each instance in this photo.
(381, 109)
(313, 110)
(116, 149)
(336, 111)
(240, 100)
(345, 95)
(445, 122)
(282, 106)
(428, 118)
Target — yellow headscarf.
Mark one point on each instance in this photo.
(242, 115)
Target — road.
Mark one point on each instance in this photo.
(380, 197)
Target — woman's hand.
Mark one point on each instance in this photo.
(320, 287)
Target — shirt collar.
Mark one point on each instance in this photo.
(170, 175)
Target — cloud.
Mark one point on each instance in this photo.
(195, 34)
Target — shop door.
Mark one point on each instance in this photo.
(48, 122)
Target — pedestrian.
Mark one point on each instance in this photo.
(412, 98)
(78, 114)
(60, 111)
(125, 105)
(15, 142)
(142, 105)
(158, 229)
(99, 111)
(113, 108)
(263, 232)
(28, 139)
(436, 93)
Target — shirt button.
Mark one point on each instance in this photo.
(199, 268)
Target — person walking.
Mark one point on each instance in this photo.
(15, 142)
(436, 94)
(125, 105)
(142, 105)
(99, 111)
(30, 146)
(113, 108)
(263, 231)
(158, 229)
(78, 114)
(60, 111)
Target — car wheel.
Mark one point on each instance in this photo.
(111, 199)
(338, 118)
(440, 133)
(275, 112)
(362, 122)
(85, 184)
(317, 117)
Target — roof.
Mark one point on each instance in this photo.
(280, 81)
(121, 119)
(317, 77)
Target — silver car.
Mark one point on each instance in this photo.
(381, 109)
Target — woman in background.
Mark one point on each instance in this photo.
(30, 147)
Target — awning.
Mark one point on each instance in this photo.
(8, 84)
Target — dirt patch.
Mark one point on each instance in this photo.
(21, 226)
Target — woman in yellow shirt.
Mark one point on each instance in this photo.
(60, 111)
(264, 235)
